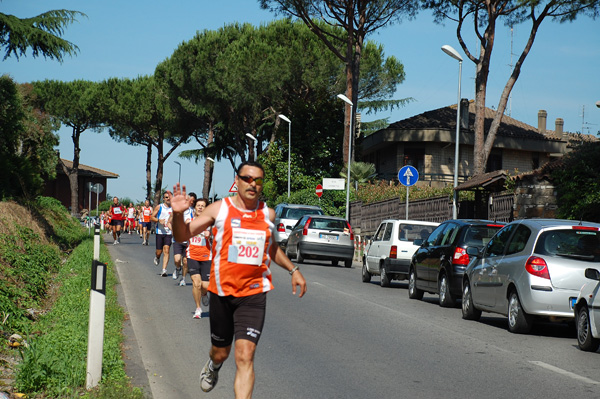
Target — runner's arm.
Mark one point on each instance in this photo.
(279, 257)
(154, 213)
(183, 231)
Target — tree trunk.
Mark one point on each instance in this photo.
(148, 170)
(159, 169)
(208, 165)
(73, 173)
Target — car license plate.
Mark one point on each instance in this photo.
(572, 302)
(328, 236)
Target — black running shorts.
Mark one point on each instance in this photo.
(179, 248)
(114, 222)
(242, 317)
(163, 240)
(201, 267)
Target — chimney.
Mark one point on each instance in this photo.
(560, 123)
(542, 120)
(464, 113)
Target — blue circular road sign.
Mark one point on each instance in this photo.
(408, 175)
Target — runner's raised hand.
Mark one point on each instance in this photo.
(179, 202)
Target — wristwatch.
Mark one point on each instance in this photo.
(294, 269)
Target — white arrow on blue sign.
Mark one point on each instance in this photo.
(408, 175)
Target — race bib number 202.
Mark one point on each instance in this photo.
(247, 246)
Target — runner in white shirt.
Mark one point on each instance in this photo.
(164, 236)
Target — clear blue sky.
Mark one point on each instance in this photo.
(129, 38)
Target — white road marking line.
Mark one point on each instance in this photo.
(564, 372)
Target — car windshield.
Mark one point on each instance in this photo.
(297, 213)
(571, 243)
(411, 232)
(479, 236)
(328, 224)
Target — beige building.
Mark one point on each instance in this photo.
(427, 142)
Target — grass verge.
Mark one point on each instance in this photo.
(45, 298)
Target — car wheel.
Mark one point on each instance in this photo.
(299, 257)
(334, 262)
(413, 291)
(446, 299)
(385, 278)
(366, 276)
(287, 252)
(518, 321)
(348, 263)
(468, 309)
(585, 340)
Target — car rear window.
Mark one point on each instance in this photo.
(328, 224)
(297, 213)
(479, 236)
(571, 243)
(411, 232)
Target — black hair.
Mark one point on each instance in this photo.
(193, 195)
(250, 163)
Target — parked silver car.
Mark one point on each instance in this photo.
(531, 268)
(321, 237)
(287, 215)
(389, 253)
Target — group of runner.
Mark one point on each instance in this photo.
(192, 257)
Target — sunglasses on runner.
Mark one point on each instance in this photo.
(249, 179)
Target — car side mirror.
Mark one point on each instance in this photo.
(473, 251)
(592, 274)
(418, 241)
(288, 227)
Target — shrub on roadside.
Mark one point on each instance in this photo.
(65, 230)
(55, 362)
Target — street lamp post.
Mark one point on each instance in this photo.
(179, 178)
(285, 118)
(255, 141)
(347, 101)
(454, 54)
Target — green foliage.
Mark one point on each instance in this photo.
(27, 143)
(360, 172)
(383, 190)
(40, 34)
(25, 268)
(577, 184)
(65, 230)
(55, 362)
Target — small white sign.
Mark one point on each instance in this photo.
(334, 184)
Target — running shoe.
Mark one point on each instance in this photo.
(115, 242)
(208, 377)
(204, 300)
(164, 273)
(175, 274)
(182, 282)
(156, 261)
(198, 314)
(119, 240)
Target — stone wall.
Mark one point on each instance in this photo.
(535, 196)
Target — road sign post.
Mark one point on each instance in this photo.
(408, 176)
(319, 191)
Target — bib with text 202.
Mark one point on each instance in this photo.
(247, 246)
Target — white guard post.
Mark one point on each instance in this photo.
(96, 321)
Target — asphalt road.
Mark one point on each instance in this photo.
(344, 339)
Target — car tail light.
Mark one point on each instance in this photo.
(588, 228)
(460, 257)
(537, 266)
(351, 232)
(393, 252)
(305, 229)
(281, 228)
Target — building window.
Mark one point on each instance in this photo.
(535, 161)
(494, 161)
(415, 157)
